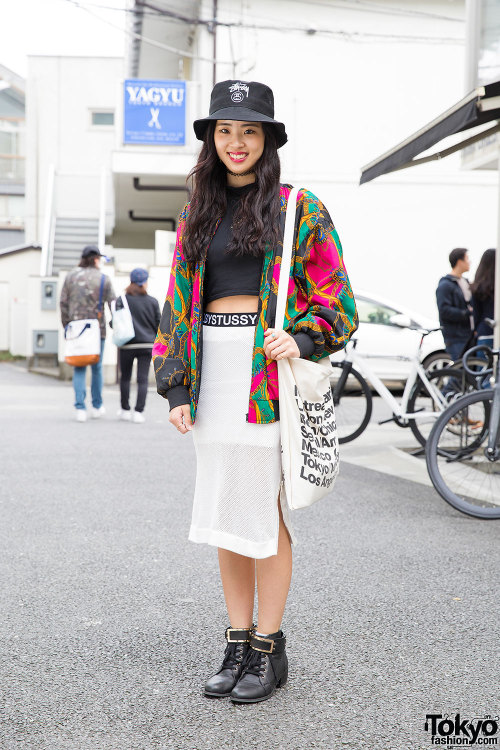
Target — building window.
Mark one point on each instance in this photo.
(11, 211)
(102, 118)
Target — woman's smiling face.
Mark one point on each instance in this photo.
(239, 145)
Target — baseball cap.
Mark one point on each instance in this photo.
(139, 276)
(89, 250)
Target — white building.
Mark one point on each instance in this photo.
(350, 80)
(12, 157)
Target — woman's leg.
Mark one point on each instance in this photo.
(273, 582)
(126, 362)
(237, 573)
(143, 364)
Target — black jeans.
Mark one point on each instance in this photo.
(127, 357)
(456, 348)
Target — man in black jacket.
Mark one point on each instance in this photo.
(454, 303)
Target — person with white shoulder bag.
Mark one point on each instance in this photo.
(141, 311)
(223, 334)
(84, 292)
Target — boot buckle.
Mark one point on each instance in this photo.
(265, 649)
(237, 635)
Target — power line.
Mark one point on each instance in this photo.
(210, 24)
(152, 42)
(370, 7)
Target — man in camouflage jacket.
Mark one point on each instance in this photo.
(80, 301)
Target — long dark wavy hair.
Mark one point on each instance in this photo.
(256, 219)
(484, 280)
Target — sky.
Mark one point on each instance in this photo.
(59, 27)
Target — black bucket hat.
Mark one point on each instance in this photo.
(242, 100)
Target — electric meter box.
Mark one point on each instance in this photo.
(49, 295)
(45, 342)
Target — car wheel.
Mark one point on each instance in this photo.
(436, 361)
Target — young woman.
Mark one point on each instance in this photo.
(145, 312)
(222, 299)
(483, 290)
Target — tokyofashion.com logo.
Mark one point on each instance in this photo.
(454, 731)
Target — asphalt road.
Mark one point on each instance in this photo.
(111, 620)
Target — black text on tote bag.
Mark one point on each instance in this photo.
(309, 443)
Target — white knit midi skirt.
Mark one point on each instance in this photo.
(238, 475)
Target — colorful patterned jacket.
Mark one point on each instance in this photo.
(320, 303)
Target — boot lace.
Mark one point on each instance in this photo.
(233, 655)
(255, 663)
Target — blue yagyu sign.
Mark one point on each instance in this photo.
(155, 112)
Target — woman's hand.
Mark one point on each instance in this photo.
(279, 345)
(180, 417)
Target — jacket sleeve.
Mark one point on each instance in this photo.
(157, 314)
(109, 292)
(449, 312)
(64, 304)
(331, 317)
(477, 307)
(170, 350)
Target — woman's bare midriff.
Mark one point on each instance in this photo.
(241, 303)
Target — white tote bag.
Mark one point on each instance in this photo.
(123, 325)
(82, 342)
(309, 443)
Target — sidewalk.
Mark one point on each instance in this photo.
(387, 448)
(111, 619)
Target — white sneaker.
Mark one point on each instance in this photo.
(138, 417)
(124, 414)
(97, 413)
(81, 415)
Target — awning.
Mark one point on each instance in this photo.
(478, 108)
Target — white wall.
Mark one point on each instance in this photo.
(15, 268)
(347, 99)
(36, 318)
(4, 315)
(60, 93)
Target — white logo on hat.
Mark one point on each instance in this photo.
(237, 90)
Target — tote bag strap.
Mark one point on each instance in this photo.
(286, 259)
(125, 301)
(101, 289)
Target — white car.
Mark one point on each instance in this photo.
(387, 339)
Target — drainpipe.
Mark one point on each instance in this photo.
(102, 211)
(214, 32)
(496, 304)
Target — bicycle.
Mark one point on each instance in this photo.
(425, 396)
(463, 450)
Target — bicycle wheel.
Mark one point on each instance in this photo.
(452, 382)
(353, 402)
(456, 458)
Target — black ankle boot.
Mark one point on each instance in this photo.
(221, 684)
(265, 669)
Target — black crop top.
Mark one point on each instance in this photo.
(227, 274)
